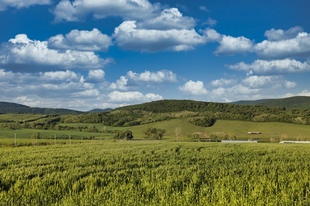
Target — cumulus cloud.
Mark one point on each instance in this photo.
(95, 76)
(279, 34)
(193, 88)
(287, 48)
(121, 84)
(21, 52)
(251, 87)
(22, 3)
(210, 22)
(168, 19)
(267, 82)
(233, 45)
(156, 77)
(303, 93)
(117, 96)
(263, 67)
(129, 37)
(49, 89)
(224, 82)
(132, 79)
(81, 40)
(127, 9)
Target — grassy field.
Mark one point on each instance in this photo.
(239, 128)
(7, 136)
(156, 173)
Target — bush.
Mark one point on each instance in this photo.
(35, 135)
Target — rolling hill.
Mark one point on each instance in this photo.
(298, 102)
(11, 108)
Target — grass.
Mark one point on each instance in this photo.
(239, 128)
(156, 173)
(46, 134)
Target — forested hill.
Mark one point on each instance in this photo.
(289, 103)
(171, 109)
(7, 107)
(299, 102)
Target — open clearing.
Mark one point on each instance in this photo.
(156, 173)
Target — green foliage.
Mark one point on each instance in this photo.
(156, 174)
(153, 133)
(171, 109)
(36, 135)
(126, 134)
(205, 121)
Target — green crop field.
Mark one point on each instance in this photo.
(156, 173)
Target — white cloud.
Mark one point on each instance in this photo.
(60, 76)
(287, 48)
(231, 45)
(193, 88)
(117, 96)
(22, 3)
(81, 40)
(121, 84)
(290, 85)
(132, 80)
(236, 92)
(128, 36)
(267, 82)
(210, 22)
(203, 8)
(279, 34)
(168, 19)
(127, 9)
(263, 67)
(21, 51)
(156, 77)
(224, 82)
(49, 89)
(95, 76)
(303, 93)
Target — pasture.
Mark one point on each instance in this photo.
(239, 128)
(156, 173)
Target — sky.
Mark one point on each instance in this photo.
(86, 54)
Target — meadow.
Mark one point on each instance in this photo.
(156, 173)
(239, 128)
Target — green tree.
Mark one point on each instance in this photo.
(35, 135)
(153, 133)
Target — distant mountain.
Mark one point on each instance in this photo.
(9, 104)
(7, 107)
(249, 102)
(298, 102)
(99, 110)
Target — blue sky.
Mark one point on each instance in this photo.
(86, 54)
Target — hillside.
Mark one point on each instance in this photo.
(289, 103)
(299, 102)
(99, 110)
(12, 108)
(172, 109)
(249, 102)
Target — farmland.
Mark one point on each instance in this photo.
(156, 173)
(239, 128)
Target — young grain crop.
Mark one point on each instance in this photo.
(157, 173)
